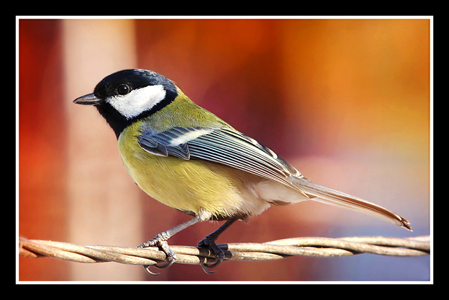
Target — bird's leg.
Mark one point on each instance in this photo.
(160, 241)
(209, 242)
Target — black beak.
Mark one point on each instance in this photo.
(88, 99)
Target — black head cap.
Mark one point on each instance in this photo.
(134, 78)
(111, 97)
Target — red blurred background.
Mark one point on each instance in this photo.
(345, 101)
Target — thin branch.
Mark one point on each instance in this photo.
(279, 249)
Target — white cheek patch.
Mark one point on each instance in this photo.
(138, 101)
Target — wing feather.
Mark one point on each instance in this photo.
(234, 149)
(218, 145)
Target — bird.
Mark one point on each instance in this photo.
(191, 160)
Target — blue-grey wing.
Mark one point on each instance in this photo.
(234, 149)
(161, 143)
(219, 145)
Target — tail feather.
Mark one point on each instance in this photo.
(333, 197)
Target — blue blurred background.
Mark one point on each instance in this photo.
(345, 101)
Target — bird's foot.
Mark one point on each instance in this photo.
(209, 242)
(160, 241)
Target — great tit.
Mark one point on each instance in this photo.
(189, 159)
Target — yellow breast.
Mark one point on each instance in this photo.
(187, 185)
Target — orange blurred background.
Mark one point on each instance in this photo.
(345, 101)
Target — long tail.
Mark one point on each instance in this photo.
(337, 198)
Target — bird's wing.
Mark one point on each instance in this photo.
(234, 149)
(219, 145)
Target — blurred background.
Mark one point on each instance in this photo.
(347, 102)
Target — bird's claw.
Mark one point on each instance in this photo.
(209, 242)
(160, 241)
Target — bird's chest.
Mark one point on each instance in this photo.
(187, 185)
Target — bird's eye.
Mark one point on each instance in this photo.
(123, 89)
